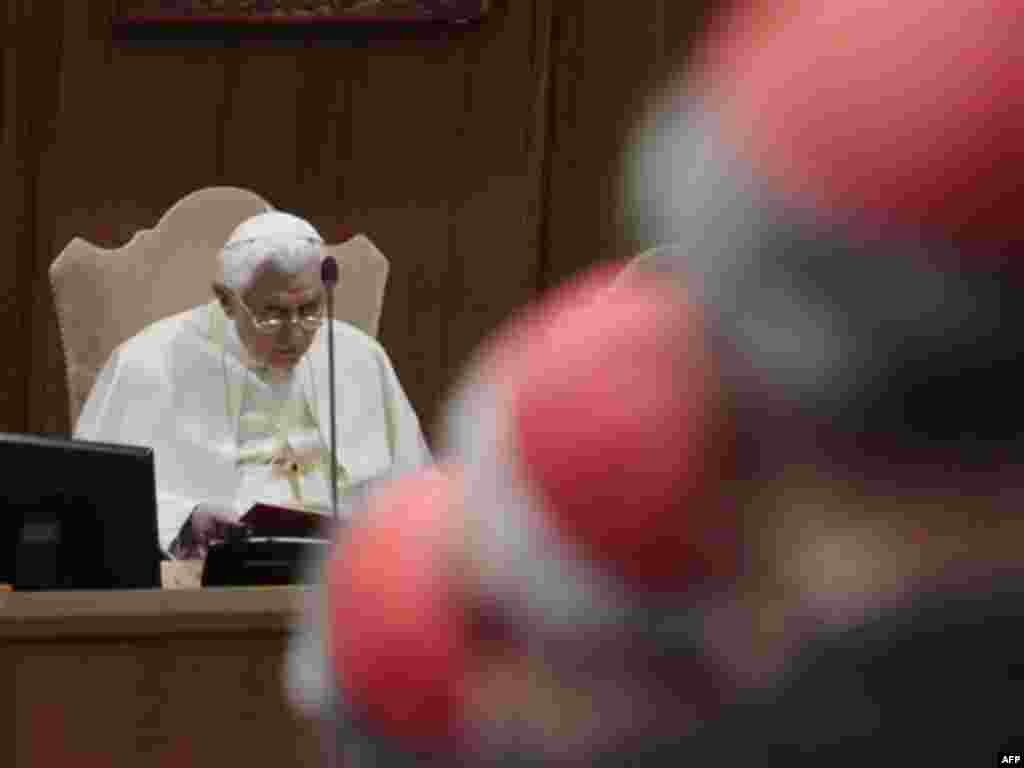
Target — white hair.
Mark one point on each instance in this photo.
(272, 239)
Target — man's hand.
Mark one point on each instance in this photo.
(208, 523)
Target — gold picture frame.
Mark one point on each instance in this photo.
(296, 12)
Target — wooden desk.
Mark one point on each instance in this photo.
(174, 678)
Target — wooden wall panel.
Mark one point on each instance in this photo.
(684, 21)
(324, 105)
(607, 59)
(602, 53)
(15, 237)
(498, 204)
(31, 55)
(406, 110)
(261, 120)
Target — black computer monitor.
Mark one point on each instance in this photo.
(77, 515)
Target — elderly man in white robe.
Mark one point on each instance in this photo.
(233, 396)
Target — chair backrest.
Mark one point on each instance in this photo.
(104, 296)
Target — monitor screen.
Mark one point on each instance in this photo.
(77, 515)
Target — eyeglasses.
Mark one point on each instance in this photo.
(308, 317)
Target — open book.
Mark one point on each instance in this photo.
(283, 521)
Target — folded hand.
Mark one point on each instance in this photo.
(209, 523)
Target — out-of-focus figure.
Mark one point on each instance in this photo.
(840, 186)
(762, 501)
(525, 602)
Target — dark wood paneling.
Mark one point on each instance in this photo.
(605, 56)
(684, 22)
(31, 53)
(324, 105)
(607, 60)
(15, 178)
(498, 203)
(406, 112)
(261, 121)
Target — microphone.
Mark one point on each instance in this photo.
(329, 277)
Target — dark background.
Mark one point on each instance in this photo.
(485, 162)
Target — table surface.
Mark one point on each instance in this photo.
(134, 613)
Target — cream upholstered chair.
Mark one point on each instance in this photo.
(105, 296)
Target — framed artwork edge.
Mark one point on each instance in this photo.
(195, 13)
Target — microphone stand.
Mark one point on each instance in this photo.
(329, 277)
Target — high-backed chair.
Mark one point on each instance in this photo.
(104, 296)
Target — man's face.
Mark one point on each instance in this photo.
(275, 293)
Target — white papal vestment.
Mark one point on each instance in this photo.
(185, 387)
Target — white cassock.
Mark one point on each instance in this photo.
(185, 387)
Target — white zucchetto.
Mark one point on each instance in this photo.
(287, 241)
